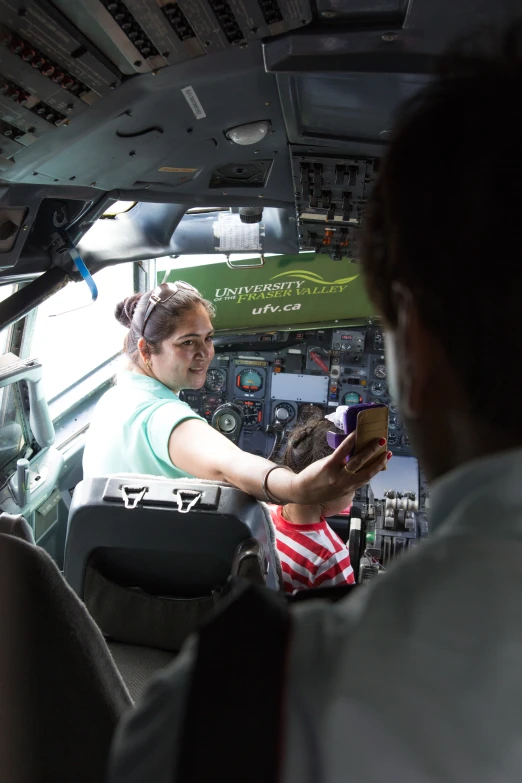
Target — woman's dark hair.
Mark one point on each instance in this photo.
(307, 443)
(161, 322)
(445, 217)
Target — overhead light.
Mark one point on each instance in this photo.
(118, 208)
(252, 133)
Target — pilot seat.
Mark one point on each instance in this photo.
(151, 557)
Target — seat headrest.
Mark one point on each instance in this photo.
(16, 525)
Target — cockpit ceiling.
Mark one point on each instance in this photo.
(133, 99)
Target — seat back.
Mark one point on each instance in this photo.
(63, 695)
(150, 557)
(174, 538)
(16, 525)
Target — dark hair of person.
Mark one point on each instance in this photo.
(162, 321)
(445, 217)
(307, 443)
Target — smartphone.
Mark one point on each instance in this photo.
(369, 421)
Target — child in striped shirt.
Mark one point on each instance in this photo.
(311, 554)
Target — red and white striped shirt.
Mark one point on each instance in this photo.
(311, 555)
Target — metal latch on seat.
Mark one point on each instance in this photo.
(191, 500)
(132, 495)
(185, 499)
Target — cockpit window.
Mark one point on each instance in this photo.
(73, 336)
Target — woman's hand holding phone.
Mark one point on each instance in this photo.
(327, 479)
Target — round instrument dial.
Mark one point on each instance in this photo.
(380, 371)
(393, 423)
(393, 409)
(405, 441)
(249, 381)
(393, 438)
(209, 403)
(284, 413)
(216, 380)
(352, 398)
(252, 412)
(379, 389)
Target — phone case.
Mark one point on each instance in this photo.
(350, 423)
(374, 424)
(371, 423)
(351, 415)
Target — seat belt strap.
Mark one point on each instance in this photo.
(234, 718)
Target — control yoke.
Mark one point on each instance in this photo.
(228, 420)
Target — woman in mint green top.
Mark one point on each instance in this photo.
(141, 425)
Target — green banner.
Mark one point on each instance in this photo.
(298, 291)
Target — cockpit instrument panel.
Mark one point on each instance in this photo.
(276, 385)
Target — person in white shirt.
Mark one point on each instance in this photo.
(418, 679)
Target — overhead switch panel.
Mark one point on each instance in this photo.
(330, 197)
(47, 74)
(144, 35)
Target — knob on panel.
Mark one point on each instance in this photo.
(283, 413)
(228, 420)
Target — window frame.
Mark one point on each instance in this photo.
(78, 393)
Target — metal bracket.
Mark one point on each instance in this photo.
(191, 500)
(246, 266)
(132, 495)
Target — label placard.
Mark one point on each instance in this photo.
(235, 236)
(194, 102)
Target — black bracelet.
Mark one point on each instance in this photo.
(268, 496)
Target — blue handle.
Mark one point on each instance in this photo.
(82, 269)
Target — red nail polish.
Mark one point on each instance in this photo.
(389, 455)
(382, 442)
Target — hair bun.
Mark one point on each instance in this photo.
(124, 311)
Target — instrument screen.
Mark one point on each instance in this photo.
(249, 381)
(352, 398)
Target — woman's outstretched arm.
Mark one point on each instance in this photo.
(200, 450)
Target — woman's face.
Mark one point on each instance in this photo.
(185, 356)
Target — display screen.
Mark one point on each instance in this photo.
(249, 381)
(352, 398)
